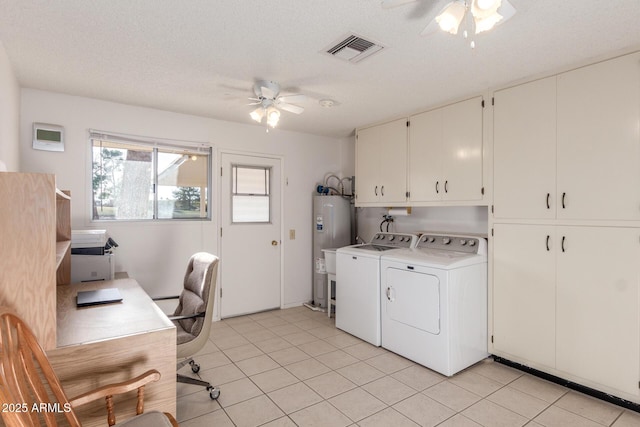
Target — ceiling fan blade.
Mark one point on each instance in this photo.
(255, 103)
(290, 108)
(268, 93)
(506, 10)
(430, 29)
(298, 97)
(388, 4)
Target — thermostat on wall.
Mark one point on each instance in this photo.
(48, 137)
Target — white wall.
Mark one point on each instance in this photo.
(9, 115)
(156, 253)
(444, 219)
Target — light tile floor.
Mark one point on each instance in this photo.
(293, 367)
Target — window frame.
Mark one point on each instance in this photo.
(268, 171)
(156, 146)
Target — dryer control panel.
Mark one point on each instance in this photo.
(467, 244)
(394, 240)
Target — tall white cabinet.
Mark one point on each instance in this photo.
(524, 151)
(567, 147)
(598, 131)
(565, 293)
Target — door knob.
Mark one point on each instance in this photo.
(274, 243)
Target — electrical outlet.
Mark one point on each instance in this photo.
(292, 234)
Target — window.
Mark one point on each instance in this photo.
(250, 199)
(139, 179)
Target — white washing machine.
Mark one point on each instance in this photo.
(434, 302)
(358, 284)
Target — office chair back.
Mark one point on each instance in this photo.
(198, 296)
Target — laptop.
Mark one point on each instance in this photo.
(100, 296)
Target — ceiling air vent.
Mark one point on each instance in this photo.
(353, 48)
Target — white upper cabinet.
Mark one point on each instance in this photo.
(524, 150)
(425, 166)
(381, 164)
(599, 141)
(446, 153)
(568, 146)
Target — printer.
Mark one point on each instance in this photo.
(92, 256)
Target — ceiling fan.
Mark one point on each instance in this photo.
(483, 16)
(270, 102)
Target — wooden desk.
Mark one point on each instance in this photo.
(103, 344)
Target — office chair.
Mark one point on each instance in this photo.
(27, 379)
(193, 314)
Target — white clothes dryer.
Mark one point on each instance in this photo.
(434, 302)
(358, 284)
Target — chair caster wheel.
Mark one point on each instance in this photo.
(195, 368)
(214, 393)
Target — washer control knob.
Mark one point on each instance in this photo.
(381, 236)
(472, 242)
(391, 238)
(432, 239)
(446, 240)
(463, 242)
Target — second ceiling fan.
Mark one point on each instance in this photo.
(481, 15)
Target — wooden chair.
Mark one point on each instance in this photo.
(31, 393)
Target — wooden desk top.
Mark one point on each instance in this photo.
(136, 314)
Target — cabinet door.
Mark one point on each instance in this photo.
(393, 161)
(461, 150)
(524, 292)
(524, 151)
(599, 142)
(367, 165)
(425, 161)
(598, 332)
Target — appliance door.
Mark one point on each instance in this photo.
(412, 299)
(358, 296)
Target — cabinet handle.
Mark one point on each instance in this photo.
(548, 205)
(382, 191)
(548, 242)
(446, 190)
(563, 237)
(563, 195)
(437, 187)
(376, 190)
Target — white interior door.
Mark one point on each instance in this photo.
(250, 234)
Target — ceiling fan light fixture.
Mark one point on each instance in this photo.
(257, 114)
(451, 17)
(273, 116)
(488, 5)
(485, 24)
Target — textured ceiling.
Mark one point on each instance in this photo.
(202, 57)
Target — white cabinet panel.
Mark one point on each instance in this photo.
(425, 164)
(367, 165)
(599, 141)
(598, 321)
(445, 153)
(381, 163)
(524, 151)
(462, 150)
(524, 292)
(393, 162)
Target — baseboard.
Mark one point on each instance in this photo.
(570, 384)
